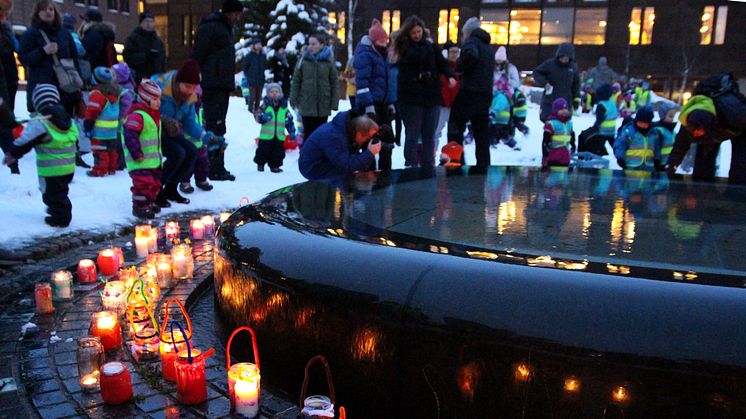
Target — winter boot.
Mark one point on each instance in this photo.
(80, 162)
(161, 200)
(14, 169)
(143, 213)
(275, 170)
(155, 208)
(217, 168)
(53, 222)
(260, 167)
(186, 187)
(205, 186)
(93, 173)
(173, 195)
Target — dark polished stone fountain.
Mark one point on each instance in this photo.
(522, 293)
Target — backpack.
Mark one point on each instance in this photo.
(729, 102)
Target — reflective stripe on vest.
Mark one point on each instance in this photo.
(639, 155)
(197, 142)
(275, 127)
(667, 141)
(562, 133)
(107, 123)
(519, 111)
(608, 125)
(500, 109)
(150, 145)
(57, 158)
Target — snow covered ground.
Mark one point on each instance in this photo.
(100, 203)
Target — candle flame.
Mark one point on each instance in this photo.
(572, 385)
(522, 372)
(620, 394)
(106, 321)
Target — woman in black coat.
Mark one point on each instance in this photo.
(420, 66)
(36, 55)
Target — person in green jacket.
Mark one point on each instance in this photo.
(53, 136)
(314, 91)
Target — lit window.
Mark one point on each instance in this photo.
(722, 20)
(391, 20)
(524, 26)
(708, 21)
(187, 26)
(556, 26)
(496, 23)
(641, 26)
(448, 25)
(140, 6)
(590, 26)
(337, 27)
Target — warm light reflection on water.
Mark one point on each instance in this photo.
(365, 343)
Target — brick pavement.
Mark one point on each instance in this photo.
(40, 379)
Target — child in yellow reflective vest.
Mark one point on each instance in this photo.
(559, 137)
(101, 122)
(663, 134)
(633, 147)
(53, 136)
(275, 117)
(142, 149)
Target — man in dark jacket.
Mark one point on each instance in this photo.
(213, 50)
(98, 40)
(338, 148)
(559, 78)
(473, 100)
(143, 49)
(602, 74)
(253, 69)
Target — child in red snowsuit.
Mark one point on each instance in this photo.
(101, 122)
(142, 149)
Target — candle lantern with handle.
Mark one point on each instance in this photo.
(146, 342)
(86, 272)
(110, 260)
(183, 262)
(43, 298)
(317, 407)
(90, 357)
(138, 306)
(172, 344)
(116, 383)
(191, 379)
(114, 297)
(105, 326)
(62, 285)
(244, 379)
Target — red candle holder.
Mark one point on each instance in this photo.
(105, 325)
(173, 343)
(110, 260)
(116, 383)
(86, 272)
(191, 380)
(43, 298)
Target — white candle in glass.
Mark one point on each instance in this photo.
(247, 398)
(62, 285)
(141, 246)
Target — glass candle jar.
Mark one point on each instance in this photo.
(146, 342)
(116, 383)
(244, 385)
(317, 407)
(191, 382)
(62, 285)
(109, 261)
(197, 229)
(105, 325)
(114, 297)
(153, 240)
(43, 298)
(209, 222)
(183, 263)
(164, 273)
(169, 348)
(90, 357)
(172, 231)
(86, 272)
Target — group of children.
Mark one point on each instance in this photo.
(507, 113)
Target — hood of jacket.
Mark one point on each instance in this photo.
(324, 55)
(141, 106)
(566, 49)
(58, 116)
(481, 34)
(281, 102)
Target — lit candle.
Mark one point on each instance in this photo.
(146, 342)
(142, 245)
(43, 298)
(169, 348)
(86, 272)
(104, 325)
(153, 240)
(197, 229)
(108, 261)
(183, 263)
(114, 297)
(116, 383)
(245, 382)
(90, 357)
(209, 222)
(191, 380)
(165, 277)
(224, 216)
(172, 231)
(62, 285)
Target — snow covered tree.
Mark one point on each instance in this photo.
(256, 23)
(293, 21)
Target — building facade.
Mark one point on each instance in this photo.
(122, 13)
(656, 40)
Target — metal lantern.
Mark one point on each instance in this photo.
(191, 379)
(146, 341)
(90, 357)
(105, 325)
(317, 407)
(173, 343)
(116, 383)
(244, 379)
